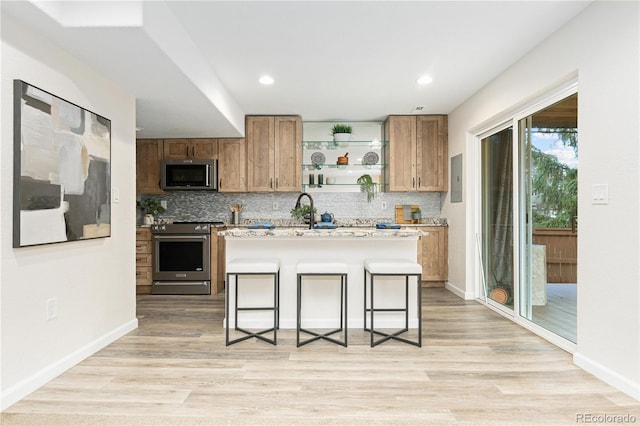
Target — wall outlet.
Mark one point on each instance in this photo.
(383, 205)
(52, 308)
(163, 203)
(275, 205)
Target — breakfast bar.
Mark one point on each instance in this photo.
(349, 245)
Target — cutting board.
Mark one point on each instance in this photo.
(400, 215)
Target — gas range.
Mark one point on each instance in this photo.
(185, 227)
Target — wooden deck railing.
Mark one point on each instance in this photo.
(562, 253)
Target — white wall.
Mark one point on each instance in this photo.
(602, 46)
(93, 281)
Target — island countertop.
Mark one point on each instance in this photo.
(322, 233)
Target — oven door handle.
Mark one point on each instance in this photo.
(181, 237)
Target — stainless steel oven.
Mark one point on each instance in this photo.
(181, 258)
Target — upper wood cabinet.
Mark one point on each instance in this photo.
(274, 153)
(417, 153)
(232, 165)
(149, 152)
(179, 149)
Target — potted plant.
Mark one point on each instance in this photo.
(367, 185)
(150, 207)
(303, 212)
(416, 214)
(341, 132)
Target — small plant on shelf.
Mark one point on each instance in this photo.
(367, 185)
(341, 128)
(341, 132)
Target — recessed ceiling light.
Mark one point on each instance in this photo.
(425, 79)
(266, 80)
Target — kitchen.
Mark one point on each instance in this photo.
(318, 165)
(106, 305)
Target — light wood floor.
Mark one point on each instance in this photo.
(475, 368)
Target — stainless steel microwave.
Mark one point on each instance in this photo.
(189, 174)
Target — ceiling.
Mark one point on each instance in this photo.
(193, 66)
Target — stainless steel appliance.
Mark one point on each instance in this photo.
(181, 258)
(189, 174)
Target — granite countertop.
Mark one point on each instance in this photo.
(322, 233)
(343, 223)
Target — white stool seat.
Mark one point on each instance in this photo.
(392, 266)
(253, 266)
(321, 266)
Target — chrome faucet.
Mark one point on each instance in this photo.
(311, 213)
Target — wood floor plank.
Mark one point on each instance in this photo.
(475, 367)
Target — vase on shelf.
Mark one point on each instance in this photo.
(148, 219)
(342, 137)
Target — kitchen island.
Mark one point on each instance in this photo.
(320, 301)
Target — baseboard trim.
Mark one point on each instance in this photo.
(607, 375)
(466, 295)
(32, 383)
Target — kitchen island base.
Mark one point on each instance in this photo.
(318, 301)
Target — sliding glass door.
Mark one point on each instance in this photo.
(497, 212)
(528, 234)
(548, 142)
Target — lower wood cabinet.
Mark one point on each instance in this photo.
(433, 255)
(143, 261)
(218, 259)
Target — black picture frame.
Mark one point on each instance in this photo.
(61, 169)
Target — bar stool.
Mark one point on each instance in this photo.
(400, 268)
(322, 267)
(241, 267)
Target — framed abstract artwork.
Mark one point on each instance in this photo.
(61, 170)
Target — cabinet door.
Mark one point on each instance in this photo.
(288, 154)
(180, 149)
(217, 261)
(232, 165)
(400, 131)
(204, 148)
(143, 261)
(176, 149)
(148, 155)
(434, 254)
(260, 154)
(432, 152)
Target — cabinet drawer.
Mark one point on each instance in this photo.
(143, 275)
(143, 259)
(143, 247)
(143, 234)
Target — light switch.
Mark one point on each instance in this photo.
(116, 195)
(600, 194)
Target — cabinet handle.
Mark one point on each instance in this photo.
(419, 182)
(271, 183)
(276, 183)
(413, 183)
(220, 183)
(193, 151)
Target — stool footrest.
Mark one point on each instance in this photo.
(324, 336)
(250, 334)
(394, 336)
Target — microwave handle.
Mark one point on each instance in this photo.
(208, 175)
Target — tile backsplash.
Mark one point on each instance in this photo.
(214, 206)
